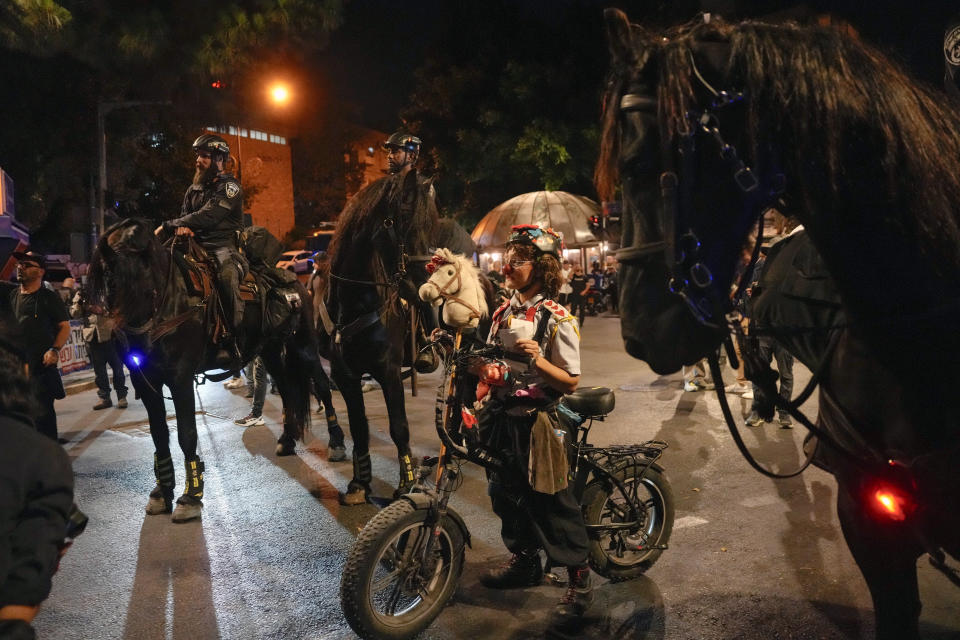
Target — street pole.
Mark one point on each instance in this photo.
(239, 158)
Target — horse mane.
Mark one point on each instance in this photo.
(358, 221)
(113, 260)
(850, 126)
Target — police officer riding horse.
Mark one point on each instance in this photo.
(212, 213)
(403, 150)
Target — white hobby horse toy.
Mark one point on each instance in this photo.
(455, 283)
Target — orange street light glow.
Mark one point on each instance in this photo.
(279, 93)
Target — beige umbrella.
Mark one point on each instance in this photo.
(559, 210)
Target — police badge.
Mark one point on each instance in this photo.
(232, 189)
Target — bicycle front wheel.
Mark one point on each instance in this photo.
(625, 553)
(388, 590)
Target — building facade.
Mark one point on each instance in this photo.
(266, 173)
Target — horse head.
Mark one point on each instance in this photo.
(674, 134)
(382, 237)
(126, 270)
(455, 283)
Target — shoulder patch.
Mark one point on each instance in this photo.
(555, 308)
(232, 189)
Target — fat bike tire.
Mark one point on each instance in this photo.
(628, 553)
(383, 593)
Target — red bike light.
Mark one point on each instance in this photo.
(892, 503)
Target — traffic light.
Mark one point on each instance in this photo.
(595, 226)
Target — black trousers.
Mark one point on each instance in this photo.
(770, 350)
(101, 354)
(231, 273)
(578, 307)
(45, 393)
(530, 520)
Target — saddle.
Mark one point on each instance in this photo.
(273, 290)
(198, 272)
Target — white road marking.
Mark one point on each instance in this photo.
(760, 501)
(688, 521)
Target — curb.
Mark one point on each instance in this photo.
(79, 387)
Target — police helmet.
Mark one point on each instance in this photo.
(406, 141)
(543, 240)
(216, 146)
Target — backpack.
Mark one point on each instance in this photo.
(261, 249)
(282, 301)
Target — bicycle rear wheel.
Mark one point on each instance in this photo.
(622, 554)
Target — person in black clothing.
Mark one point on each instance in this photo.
(36, 492)
(580, 286)
(213, 213)
(45, 324)
(102, 349)
(403, 150)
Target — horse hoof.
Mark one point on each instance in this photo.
(355, 495)
(286, 448)
(187, 510)
(157, 506)
(337, 454)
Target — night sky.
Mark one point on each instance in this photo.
(371, 59)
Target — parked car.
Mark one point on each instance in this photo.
(297, 261)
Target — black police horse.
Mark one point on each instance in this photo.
(377, 259)
(165, 337)
(704, 125)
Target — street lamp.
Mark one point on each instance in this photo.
(279, 93)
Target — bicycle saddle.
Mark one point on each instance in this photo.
(591, 401)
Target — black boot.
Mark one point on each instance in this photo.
(190, 504)
(406, 476)
(522, 570)
(427, 361)
(577, 599)
(161, 498)
(228, 355)
(359, 487)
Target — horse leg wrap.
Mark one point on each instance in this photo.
(189, 505)
(359, 487)
(161, 497)
(406, 476)
(194, 488)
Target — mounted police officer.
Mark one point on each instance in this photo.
(213, 213)
(403, 150)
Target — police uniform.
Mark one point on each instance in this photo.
(532, 520)
(214, 212)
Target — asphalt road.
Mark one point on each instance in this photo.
(749, 557)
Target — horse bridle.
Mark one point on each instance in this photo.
(390, 227)
(691, 277)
